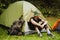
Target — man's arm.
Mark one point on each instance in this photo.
(35, 23)
(45, 22)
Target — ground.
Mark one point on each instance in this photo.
(51, 20)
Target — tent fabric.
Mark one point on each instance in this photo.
(56, 25)
(12, 13)
(15, 10)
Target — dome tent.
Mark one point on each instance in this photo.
(15, 10)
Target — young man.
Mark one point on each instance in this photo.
(36, 23)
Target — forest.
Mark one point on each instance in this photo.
(47, 7)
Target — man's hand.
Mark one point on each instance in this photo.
(42, 26)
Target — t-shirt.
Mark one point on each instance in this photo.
(32, 26)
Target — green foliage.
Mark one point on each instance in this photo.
(51, 12)
(48, 7)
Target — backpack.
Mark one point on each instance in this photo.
(16, 27)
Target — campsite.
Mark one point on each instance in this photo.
(26, 8)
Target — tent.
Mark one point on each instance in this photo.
(56, 25)
(15, 10)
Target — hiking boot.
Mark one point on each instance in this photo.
(51, 35)
(40, 35)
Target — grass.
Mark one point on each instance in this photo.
(51, 20)
(5, 36)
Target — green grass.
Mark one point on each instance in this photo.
(51, 20)
(5, 36)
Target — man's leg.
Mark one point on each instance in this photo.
(39, 33)
(48, 31)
